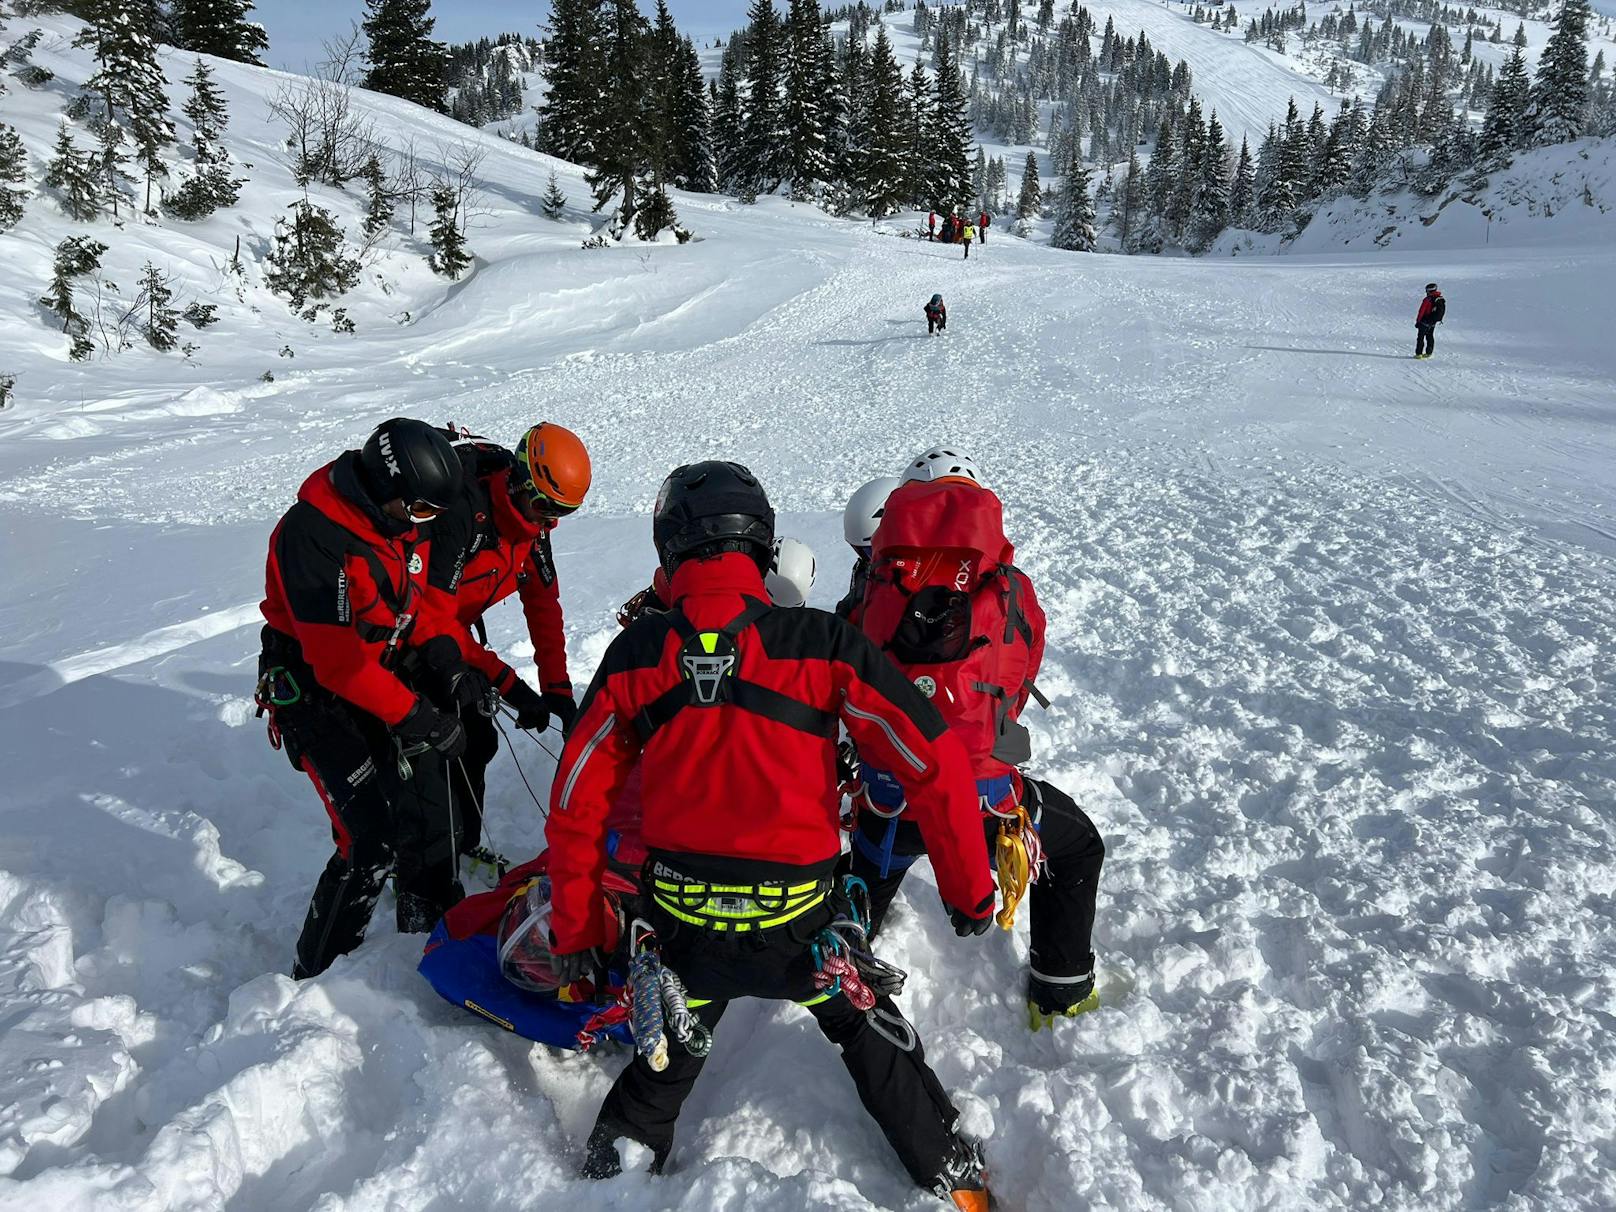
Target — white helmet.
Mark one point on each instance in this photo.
(940, 463)
(864, 510)
(791, 573)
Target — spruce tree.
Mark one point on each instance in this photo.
(809, 165)
(75, 257)
(661, 84)
(161, 323)
(378, 204)
(765, 147)
(728, 151)
(1074, 222)
(621, 156)
(951, 138)
(883, 175)
(218, 27)
(210, 185)
(694, 166)
(1211, 214)
(920, 124)
(13, 178)
(1128, 211)
(1243, 190)
(1559, 105)
(555, 202)
(1030, 202)
(127, 87)
(404, 59)
(655, 215)
(1162, 174)
(575, 71)
(309, 258)
(449, 255)
(74, 176)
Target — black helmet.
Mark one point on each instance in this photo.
(409, 461)
(703, 509)
(1429, 286)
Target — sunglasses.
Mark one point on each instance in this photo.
(422, 511)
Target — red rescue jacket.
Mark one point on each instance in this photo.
(947, 538)
(746, 786)
(346, 591)
(486, 551)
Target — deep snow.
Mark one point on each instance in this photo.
(1332, 659)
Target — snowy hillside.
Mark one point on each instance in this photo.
(1332, 658)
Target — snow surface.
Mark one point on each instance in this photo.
(1331, 652)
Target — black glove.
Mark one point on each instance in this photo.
(531, 710)
(575, 965)
(562, 707)
(426, 725)
(979, 922)
(451, 683)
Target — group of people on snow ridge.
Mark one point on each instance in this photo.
(748, 722)
(959, 230)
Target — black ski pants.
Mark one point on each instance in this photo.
(1061, 902)
(895, 1084)
(935, 324)
(967, 250)
(383, 823)
(1424, 340)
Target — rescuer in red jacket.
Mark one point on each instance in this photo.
(946, 603)
(732, 707)
(343, 585)
(494, 541)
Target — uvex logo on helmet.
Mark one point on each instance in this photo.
(962, 578)
(385, 441)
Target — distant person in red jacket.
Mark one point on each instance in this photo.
(494, 542)
(936, 315)
(982, 222)
(732, 704)
(1432, 308)
(931, 226)
(344, 581)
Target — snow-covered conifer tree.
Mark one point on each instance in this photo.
(405, 61)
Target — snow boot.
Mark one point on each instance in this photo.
(964, 1181)
(1047, 1002)
(417, 914)
(601, 1159)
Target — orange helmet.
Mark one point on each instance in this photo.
(552, 467)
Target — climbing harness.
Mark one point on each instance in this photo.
(1020, 861)
(734, 908)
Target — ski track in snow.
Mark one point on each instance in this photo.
(1331, 655)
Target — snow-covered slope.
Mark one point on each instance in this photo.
(1331, 654)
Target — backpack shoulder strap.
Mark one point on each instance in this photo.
(732, 689)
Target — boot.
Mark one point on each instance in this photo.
(417, 914)
(1047, 1002)
(963, 1183)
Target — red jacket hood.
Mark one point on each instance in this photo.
(508, 520)
(732, 572)
(321, 491)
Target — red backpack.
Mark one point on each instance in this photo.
(948, 605)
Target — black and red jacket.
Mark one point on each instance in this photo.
(346, 590)
(485, 551)
(746, 788)
(1432, 308)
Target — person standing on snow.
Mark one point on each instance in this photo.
(492, 542)
(343, 583)
(983, 221)
(1432, 309)
(936, 315)
(729, 704)
(859, 521)
(968, 235)
(931, 226)
(945, 601)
